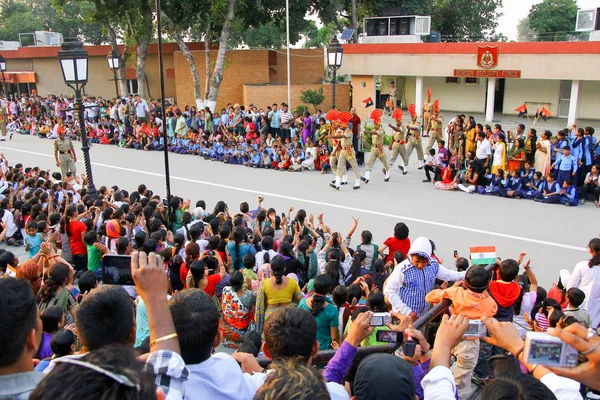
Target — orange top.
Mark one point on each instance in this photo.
(470, 304)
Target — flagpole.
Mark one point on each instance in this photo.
(527, 113)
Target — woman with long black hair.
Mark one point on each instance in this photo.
(55, 291)
(325, 312)
(336, 268)
(238, 248)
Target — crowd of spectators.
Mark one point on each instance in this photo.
(274, 287)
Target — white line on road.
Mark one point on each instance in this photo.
(321, 203)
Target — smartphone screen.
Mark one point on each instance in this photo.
(387, 336)
(116, 270)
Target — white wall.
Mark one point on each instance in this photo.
(517, 91)
(589, 100)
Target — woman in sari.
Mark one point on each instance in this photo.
(516, 156)
(238, 311)
(275, 293)
(499, 157)
(542, 154)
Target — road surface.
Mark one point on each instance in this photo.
(553, 236)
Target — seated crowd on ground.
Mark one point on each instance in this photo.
(281, 288)
(561, 168)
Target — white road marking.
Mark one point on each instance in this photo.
(321, 203)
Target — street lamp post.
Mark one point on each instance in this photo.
(334, 61)
(113, 63)
(3, 68)
(74, 65)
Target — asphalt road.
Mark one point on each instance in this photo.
(553, 236)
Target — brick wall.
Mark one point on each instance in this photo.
(241, 66)
(263, 95)
(307, 66)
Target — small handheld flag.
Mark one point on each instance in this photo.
(368, 102)
(483, 255)
(388, 103)
(522, 110)
(11, 271)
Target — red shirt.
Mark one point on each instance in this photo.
(211, 286)
(395, 245)
(76, 228)
(355, 120)
(183, 271)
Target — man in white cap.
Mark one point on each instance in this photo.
(414, 277)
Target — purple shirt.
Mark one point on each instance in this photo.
(340, 363)
(444, 156)
(45, 350)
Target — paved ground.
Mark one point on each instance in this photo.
(554, 237)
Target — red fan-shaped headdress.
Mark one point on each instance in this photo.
(428, 93)
(332, 115)
(397, 114)
(436, 106)
(412, 110)
(344, 117)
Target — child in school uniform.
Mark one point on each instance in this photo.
(494, 185)
(533, 187)
(254, 159)
(568, 194)
(550, 190)
(526, 173)
(513, 186)
(566, 166)
(469, 298)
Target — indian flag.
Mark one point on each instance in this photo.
(10, 271)
(483, 255)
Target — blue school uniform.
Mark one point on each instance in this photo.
(512, 185)
(570, 197)
(531, 189)
(526, 175)
(254, 160)
(548, 188)
(492, 188)
(566, 167)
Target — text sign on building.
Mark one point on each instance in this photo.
(486, 73)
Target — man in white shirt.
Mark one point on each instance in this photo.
(286, 118)
(141, 109)
(212, 376)
(414, 277)
(483, 154)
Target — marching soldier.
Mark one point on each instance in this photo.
(377, 152)
(426, 113)
(435, 123)
(64, 153)
(336, 148)
(399, 145)
(413, 132)
(347, 153)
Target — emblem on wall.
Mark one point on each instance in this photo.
(487, 56)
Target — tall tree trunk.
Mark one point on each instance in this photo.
(207, 59)
(175, 34)
(140, 68)
(217, 77)
(112, 38)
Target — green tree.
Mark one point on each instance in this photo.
(465, 20)
(553, 20)
(16, 17)
(524, 31)
(313, 97)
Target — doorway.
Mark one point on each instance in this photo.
(564, 99)
(499, 95)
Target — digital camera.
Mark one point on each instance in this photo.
(541, 348)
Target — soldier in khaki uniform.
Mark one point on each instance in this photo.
(64, 154)
(426, 112)
(399, 145)
(413, 140)
(377, 152)
(435, 126)
(347, 154)
(336, 148)
(3, 117)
